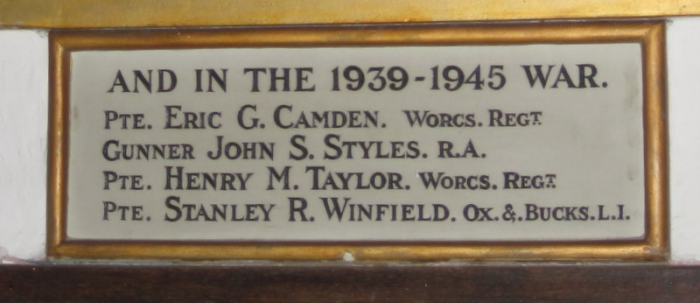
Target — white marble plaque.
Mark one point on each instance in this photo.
(541, 142)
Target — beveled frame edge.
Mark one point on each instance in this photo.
(650, 35)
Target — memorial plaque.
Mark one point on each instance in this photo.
(396, 143)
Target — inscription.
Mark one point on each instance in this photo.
(404, 143)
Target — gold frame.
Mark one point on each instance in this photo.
(181, 13)
(654, 246)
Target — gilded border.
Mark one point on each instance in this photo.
(186, 13)
(650, 35)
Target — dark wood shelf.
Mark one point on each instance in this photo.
(351, 283)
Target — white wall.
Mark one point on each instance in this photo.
(23, 120)
(23, 130)
(683, 49)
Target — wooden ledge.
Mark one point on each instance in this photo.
(354, 283)
(186, 13)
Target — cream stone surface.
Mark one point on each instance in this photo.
(590, 139)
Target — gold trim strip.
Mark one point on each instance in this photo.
(185, 13)
(654, 246)
(656, 135)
